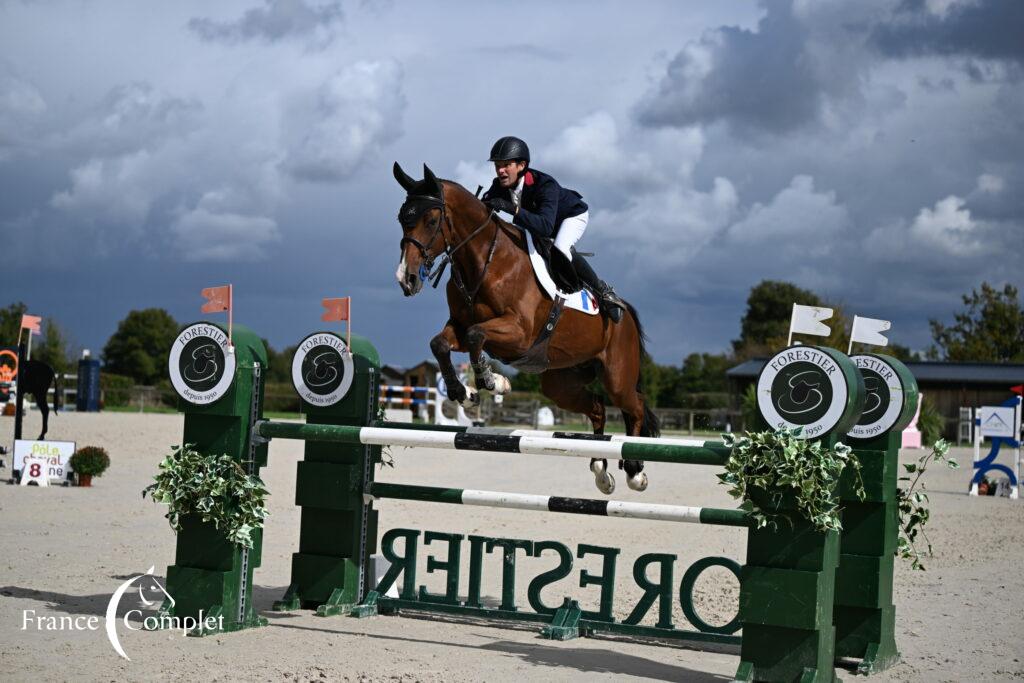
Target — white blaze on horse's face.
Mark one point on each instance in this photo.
(402, 268)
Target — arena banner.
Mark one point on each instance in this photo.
(56, 454)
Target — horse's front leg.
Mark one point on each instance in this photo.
(442, 346)
(504, 331)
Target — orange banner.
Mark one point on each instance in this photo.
(218, 299)
(337, 309)
(31, 322)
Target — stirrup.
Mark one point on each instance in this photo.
(612, 304)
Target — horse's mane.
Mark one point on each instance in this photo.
(515, 234)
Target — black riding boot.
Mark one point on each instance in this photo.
(611, 304)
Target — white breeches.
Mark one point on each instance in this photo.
(570, 232)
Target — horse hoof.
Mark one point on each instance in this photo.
(602, 477)
(637, 482)
(605, 483)
(472, 398)
(502, 385)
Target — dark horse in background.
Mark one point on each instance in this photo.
(34, 379)
(496, 306)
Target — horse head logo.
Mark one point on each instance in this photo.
(203, 366)
(804, 394)
(154, 588)
(323, 370)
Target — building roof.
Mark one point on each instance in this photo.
(924, 371)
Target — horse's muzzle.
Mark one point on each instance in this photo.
(411, 284)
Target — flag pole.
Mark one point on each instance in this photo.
(792, 315)
(231, 305)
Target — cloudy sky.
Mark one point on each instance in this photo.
(870, 151)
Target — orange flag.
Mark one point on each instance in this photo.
(337, 309)
(218, 299)
(31, 322)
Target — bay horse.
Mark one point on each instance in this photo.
(496, 306)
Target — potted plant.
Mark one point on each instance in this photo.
(87, 462)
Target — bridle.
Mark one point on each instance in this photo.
(417, 205)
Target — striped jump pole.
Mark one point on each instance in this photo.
(714, 454)
(574, 506)
(582, 436)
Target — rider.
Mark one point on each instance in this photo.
(546, 209)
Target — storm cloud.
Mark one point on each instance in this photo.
(869, 151)
(274, 20)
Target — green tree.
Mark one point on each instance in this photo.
(53, 348)
(279, 363)
(765, 325)
(900, 352)
(702, 374)
(139, 347)
(991, 328)
(764, 328)
(525, 381)
(10, 323)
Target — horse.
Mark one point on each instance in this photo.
(34, 379)
(496, 306)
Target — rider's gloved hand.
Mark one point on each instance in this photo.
(499, 204)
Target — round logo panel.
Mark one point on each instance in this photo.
(804, 386)
(886, 396)
(201, 365)
(322, 369)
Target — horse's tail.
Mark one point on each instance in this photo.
(650, 427)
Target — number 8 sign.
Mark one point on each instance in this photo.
(35, 471)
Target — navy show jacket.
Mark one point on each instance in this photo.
(545, 203)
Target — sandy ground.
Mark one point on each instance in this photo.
(65, 551)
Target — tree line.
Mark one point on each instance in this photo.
(989, 328)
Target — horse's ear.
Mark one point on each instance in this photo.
(403, 178)
(431, 181)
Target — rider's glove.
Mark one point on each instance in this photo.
(499, 204)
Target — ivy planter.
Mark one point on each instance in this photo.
(779, 476)
(210, 497)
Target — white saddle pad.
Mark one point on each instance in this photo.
(582, 301)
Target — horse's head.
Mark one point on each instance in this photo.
(421, 216)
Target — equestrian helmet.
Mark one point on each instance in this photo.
(510, 148)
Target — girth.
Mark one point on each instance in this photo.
(535, 360)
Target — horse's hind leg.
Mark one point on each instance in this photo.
(45, 411)
(568, 389)
(621, 380)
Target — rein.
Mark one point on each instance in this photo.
(427, 267)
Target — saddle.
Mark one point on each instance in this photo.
(559, 267)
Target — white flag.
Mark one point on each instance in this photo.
(868, 331)
(807, 320)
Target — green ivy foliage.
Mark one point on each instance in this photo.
(783, 465)
(215, 487)
(912, 502)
